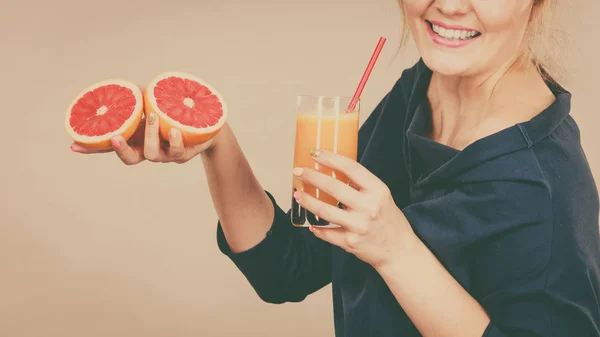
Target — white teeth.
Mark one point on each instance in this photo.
(452, 34)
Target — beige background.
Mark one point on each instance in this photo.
(90, 247)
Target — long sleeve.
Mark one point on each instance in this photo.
(286, 266)
(534, 275)
(290, 263)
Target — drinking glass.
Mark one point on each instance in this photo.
(322, 123)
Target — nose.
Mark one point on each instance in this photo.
(452, 7)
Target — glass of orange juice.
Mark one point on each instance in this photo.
(322, 123)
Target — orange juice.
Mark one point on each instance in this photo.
(335, 131)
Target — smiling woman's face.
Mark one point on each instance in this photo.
(467, 37)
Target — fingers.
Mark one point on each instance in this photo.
(138, 136)
(358, 174)
(335, 236)
(177, 151)
(128, 154)
(337, 189)
(152, 149)
(325, 211)
(146, 143)
(81, 149)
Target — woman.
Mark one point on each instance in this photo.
(476, 213)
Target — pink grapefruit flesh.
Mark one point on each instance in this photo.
(187, 103)
(104, 110)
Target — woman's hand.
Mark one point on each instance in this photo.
(373, 228)
(146, 144)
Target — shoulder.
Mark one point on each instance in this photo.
(575, 200)
(563, 163)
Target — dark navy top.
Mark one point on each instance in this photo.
(513, 217)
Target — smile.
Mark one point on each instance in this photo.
(451, 36)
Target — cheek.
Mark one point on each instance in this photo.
(506, 17)
(415, 9)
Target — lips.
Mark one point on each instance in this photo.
(452, 33)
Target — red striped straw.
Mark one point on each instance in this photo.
(367, 73)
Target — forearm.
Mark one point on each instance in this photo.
(435, 302)
(243, 208)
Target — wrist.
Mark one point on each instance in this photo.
(212, 148)
(408, 252)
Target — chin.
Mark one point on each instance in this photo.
(449, 65)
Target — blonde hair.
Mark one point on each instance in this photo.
(542, 40)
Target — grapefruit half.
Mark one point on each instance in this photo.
(104, 110)
(188, 103)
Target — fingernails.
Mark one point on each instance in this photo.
(315, 152)
(298, 171)
(152, 119)
(115, 143)
(173, 134)
(297, 195)
(72, 148)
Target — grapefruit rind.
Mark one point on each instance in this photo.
(191, 135)
(126, 130)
